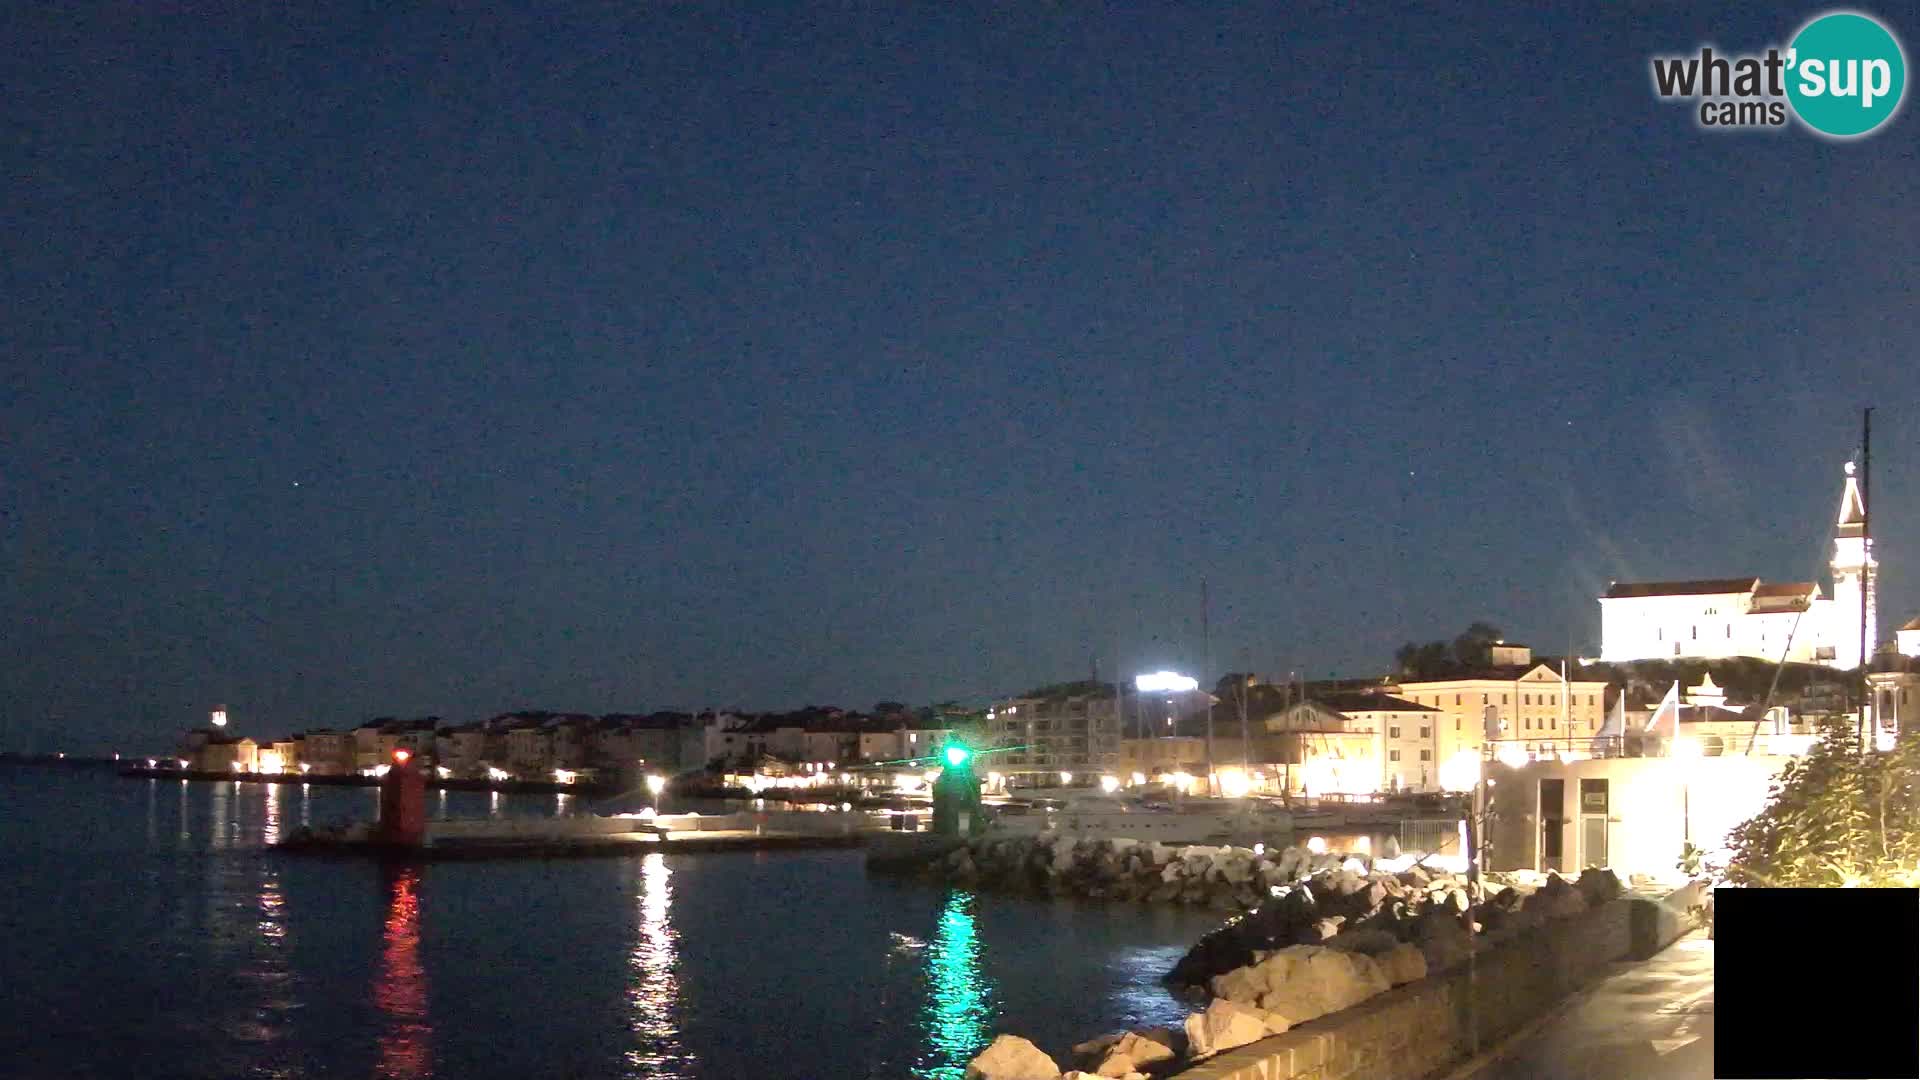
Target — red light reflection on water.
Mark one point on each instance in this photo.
(406, 1043)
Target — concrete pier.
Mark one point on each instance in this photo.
(589, 836)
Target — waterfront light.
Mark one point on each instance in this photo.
(183, 763)
(1065, 778)
(1165, 681)
(1317, 845)
(1461, 771)
(305, 767)
(1139, 779)
(1233, 783)
(497, 775)
(564, 776)
(401, 756)
(1109, 784)
(656, 784)
(150, 763)
(1259, 849)
(444, 773)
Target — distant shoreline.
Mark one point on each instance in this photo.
(509, 787)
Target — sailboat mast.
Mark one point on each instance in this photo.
(1206, 662)
(1866, 572)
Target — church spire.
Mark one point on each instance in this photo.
(1853, 509)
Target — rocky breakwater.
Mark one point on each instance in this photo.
(1314, 947)
(1222, 878)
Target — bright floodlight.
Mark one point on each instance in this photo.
(957, 755)
(219, 718)
(656, 784)
(400, 756)
(1169, 681)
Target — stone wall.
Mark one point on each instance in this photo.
(1415, 1030)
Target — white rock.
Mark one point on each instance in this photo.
(1225, 1025)
(1306, 981)
(1138, 1050)
(1010, 1057)
(1403, 964)
(1244, 985)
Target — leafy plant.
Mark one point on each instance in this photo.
(1841, 816)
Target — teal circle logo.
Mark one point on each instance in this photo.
(1846, 75)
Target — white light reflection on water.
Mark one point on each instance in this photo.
(270, 824)
(959, 1013)
(400, 990)
(653, 997)
(222, 815)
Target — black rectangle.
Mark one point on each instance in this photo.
(1816, 983)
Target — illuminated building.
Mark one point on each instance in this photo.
(1077, 734)
(1537, 707)
(1745, 616)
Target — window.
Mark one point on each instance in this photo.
(1393, 733)
(1553, 724)
(1483, 699)
(1426, 755)
(1426, 733)
(1695, 631)
(1528, 723)
(1729, 631)
(1526, 699)
(1393, 755)
(1456, 699)
(1503, 699)
(1456, 720)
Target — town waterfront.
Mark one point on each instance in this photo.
(150, 931)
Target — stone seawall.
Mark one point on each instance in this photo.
(1420, 1028)
(1292, 991)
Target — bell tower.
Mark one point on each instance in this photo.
(1853, 578)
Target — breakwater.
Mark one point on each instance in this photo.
(1315, 934)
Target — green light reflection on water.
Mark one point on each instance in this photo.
(959, 1013)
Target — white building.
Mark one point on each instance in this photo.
(1721, 618)
(1907, 638)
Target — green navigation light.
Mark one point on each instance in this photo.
(958, 755)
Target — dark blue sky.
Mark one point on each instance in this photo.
(407, 362)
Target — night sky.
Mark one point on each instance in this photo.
(386, 362)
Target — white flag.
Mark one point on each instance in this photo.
(1668, 713)
(1616, 724)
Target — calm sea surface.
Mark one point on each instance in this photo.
(146, 931)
